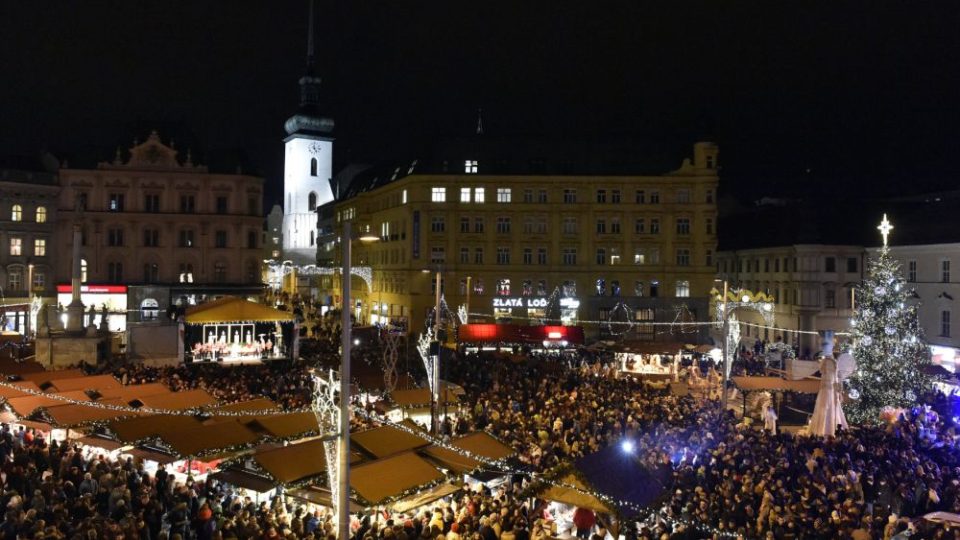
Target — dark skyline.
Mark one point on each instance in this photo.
(860, 94)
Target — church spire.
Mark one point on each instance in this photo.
(308, 118)
(310, 38)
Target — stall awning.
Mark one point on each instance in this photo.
(425, 498)
(321, 497)
(380, 480)
(387, 441)
(284, 426)
(480, 443)
(579, 497)
(72, 415)
(776, 384)
(95, 382)
(178, 401)
(133, 392)
(99, 442)
(42, 377)
(132, 430)
(244, 480)
(6, 392)
(520, 334)
(259, 404)
(26, 405)
(152, 455)
(208, 441)
(231, 309)
(296, 462)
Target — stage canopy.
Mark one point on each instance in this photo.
(231, 309)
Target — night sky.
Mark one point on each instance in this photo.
(842, 95)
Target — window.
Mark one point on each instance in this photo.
(683, 226)
(186, 273)
(614, 225)
(464, 255)
(830, 298)
(640, 197)
(437, 255)
(503, 195)
(709, 196)
(569, 196)
(221, 203)
(470, 166)
(186, 238)
(709, 226)
(313, 166)
(830, 264)
(188, 204)
(528, 196)
(479, 195)
(437, 224)
(39, 247)
(542, 196)
(83, 270)
(115, 202)
(601, 226)
(766, 265)
(852, 264)
(542, 256)
(464, 224)
(115, 272)
(569, 289)
(503, 255)
(311, 202)
(654, 292)
(601, 287)
(478, 255)
(403, 197)
(709, 258)
(640, 226)
(503, 287)
(709, 162)
(654, 197)
(638, 288)
(478, 225)
(527, 255)
(251, 239)
(503, 225)
(16, 213)
(438, 194)
(151, 237)
(776, 264)
(570, 256)
(151, 203)
(39, 281)
(220, 272)
(683, 257)
(82, 200)
(615, 196)
(220, 239)
(478, 286)
(569, 225)
(945, 270)
(655, 226)
(945, 323)
(151, 273)
(683, 289)
(115, 237)
(41, 214)
(465, 194)
(16, 246)
(601, 195)
(683, 196)
(614, 288)
(912, 271)
(601, 256)
(15, 279)
(639, 257)
(541, 287)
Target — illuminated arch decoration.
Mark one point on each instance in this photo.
(620, 319)
(391, 345)
(279, 269)
(759, 302)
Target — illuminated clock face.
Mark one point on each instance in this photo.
(315, 148)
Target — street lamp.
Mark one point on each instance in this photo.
(435, 364)
(343, 457)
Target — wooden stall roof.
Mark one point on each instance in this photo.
(152, 455)
(94, 382)
(420, 499)
(296, 462)
(26, 405)
(284, 426)
(776, 384)
(480, 443)
(41, 377)
(383, 479)
(243, 479)
(321, 496)
(178, 401)
(231, 309)
(575, 497)
(259, 404)
(386, 441)
(420, 396)
(99, 442)
(6, 392)
(131, 430)
(72, 415)
(208, 440)
(9, 366)
(127, 394)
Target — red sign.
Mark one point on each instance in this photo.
(94, 289)
(514, 333)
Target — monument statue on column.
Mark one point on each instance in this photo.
(75, 308)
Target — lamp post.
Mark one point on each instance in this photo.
(343, 451)
(726, 351)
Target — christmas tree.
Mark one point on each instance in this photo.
(887, 340)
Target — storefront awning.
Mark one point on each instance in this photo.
(259, 404)
(519, 334)
(386, 441)
(378, 481)
(6, 392)
(73, 415)
(231, 309)
(152, 455)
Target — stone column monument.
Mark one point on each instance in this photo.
(75, 309)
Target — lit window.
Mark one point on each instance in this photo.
(16, 246)
(403, 197)
(186, 273)
(683, 289)
(465, 194)
(438, 194)
(16, 213)
(479, 195)
(614, 255)
(83, 270)
(41, 214)
(115, 204)
(503, 195)
(40, 247)
(601, 287)
(503, 287)
(639, 257)
(470, 166)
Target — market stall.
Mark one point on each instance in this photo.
(234, 330)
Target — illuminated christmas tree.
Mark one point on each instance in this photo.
(888, 342)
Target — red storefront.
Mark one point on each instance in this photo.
(514, 334)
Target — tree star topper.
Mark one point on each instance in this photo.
(885, 228)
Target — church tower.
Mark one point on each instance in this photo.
(308, 166)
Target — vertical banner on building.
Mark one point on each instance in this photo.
(416, 234)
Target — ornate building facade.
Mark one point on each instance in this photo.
(165, 230)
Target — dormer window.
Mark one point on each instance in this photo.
(470, 166)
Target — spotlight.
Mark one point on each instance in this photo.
(356, 342)
(627, 446)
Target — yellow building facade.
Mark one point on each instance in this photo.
(514, 245)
